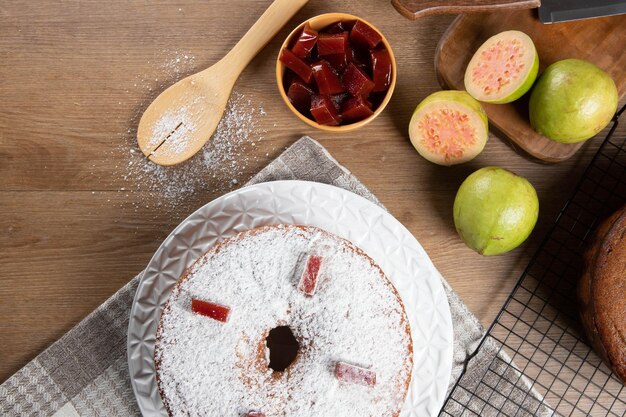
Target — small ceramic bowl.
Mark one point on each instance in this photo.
(318, 23)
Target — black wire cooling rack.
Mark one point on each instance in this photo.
(539, 337)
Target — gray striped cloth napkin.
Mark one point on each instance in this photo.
(85, 372)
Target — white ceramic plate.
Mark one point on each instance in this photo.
(336, 210)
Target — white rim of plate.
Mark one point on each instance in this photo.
(158, 279)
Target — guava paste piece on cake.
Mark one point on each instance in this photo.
(310, 274)
(209, 309)
(354, 374)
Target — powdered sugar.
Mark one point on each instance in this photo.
(212, 369)
(174, 127)
(224, 157)
(215, 168)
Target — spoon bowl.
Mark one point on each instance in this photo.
(183, 117)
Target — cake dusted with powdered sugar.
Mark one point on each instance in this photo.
(354, 349)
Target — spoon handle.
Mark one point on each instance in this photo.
(263, 30)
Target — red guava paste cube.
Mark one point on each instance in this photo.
(356, 81)
(360, 58)
(354, 374)
(213, 310)
(289, 78)
(326, 79)
(332, 44)
(343, 26)
(339, 62)
(297, 65)
(339, 99)
(300, 94)
(306, 41)
(324, 111)
(308, 279)
(362, 34)
(381, 69)
(255, 414)
(355, 109)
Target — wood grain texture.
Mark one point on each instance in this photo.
(415, 9)
(76, 74)
(594, 40)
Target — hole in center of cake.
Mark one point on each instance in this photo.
(283, 348)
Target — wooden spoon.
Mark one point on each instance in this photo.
(183, 118)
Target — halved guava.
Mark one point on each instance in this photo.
(503, 69)
(449, 128)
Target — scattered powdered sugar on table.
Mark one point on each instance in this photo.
(215, 168)
(211, 368)
(221, 160)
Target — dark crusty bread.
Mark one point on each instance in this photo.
(602, 292)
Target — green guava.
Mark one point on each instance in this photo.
(572, 101)
(495, 210)
(503, 69)
(449, 127)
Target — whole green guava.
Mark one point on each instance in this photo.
(572, 101)
(495, 210)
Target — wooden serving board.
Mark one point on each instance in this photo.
(601, 41)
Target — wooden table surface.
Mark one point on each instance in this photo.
(81, 214)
